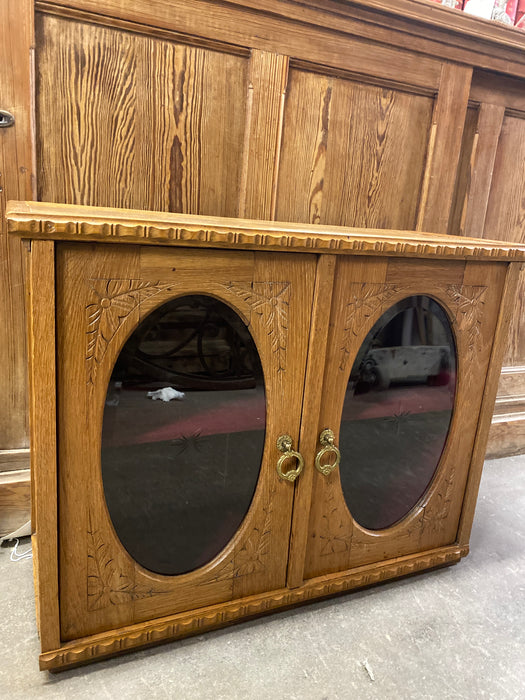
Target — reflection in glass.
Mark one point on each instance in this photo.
(179, 477)
(397, 411)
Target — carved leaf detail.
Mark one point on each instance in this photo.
(250, 559)
(113, 301)
(363, 304)
(270, 300)
(106, 585)
(470, 302)
(335, 537)
(435, 515)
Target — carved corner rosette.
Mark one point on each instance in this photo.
(113, 300)
(363, 304)
(270, 301)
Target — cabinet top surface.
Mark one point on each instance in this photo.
(63, 222)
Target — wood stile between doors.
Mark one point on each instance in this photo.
(309, 299)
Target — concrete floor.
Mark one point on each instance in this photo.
(454, 633)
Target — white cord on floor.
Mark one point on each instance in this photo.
(18, 556)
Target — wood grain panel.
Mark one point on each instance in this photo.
(265, 103)
(467, 158)
(429, 30)
(43, 435)
(444, 149)
(505, 219)
(131, 121)
(488, 131)
(340, 162)
(245, 26)
(16, 182)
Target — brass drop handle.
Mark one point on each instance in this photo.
(327, 438)
(284, 445)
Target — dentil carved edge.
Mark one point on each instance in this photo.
(185, 624)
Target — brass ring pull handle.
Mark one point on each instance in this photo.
(326, 438)
(284, 444)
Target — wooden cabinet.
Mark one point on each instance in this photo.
(392, 341)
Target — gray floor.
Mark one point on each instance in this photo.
(453, 633)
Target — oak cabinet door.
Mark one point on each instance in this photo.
(408, 342)
(172, 506)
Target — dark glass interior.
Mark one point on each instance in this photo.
(179, 476)
(397, 411)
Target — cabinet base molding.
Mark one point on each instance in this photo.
(144, 634)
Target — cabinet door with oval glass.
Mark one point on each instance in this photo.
(408, 340)
(193, 363)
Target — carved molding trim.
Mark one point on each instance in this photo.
(106, 585)
(270, 300)
(331, 239)
(185, 624)
(113, 301)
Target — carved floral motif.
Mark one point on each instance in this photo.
(270, 300)
(113, 301)
(251, 557)
(436, 513)
(106, 585)
(335, 532)
(364, 303)
(470, 303)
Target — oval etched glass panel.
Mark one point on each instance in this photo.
(183, 434)
(397, 411)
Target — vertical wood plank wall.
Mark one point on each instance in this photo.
(205, 108)
(16, 182)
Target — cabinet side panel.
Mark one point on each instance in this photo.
(491, 386)
(131, 121)
(43, 437)
(352, 154)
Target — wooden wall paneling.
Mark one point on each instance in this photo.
(444, 149)
(340, 159)
(467, 158)
(430, 31)
(488, 131)
(267, 32)
(43, 437)
(491, 387)
(267, 80)
(505, 218)
(16, 182)
(137, 122)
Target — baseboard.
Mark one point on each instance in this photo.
(15, 500)
(14, 460)
(507, 432)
